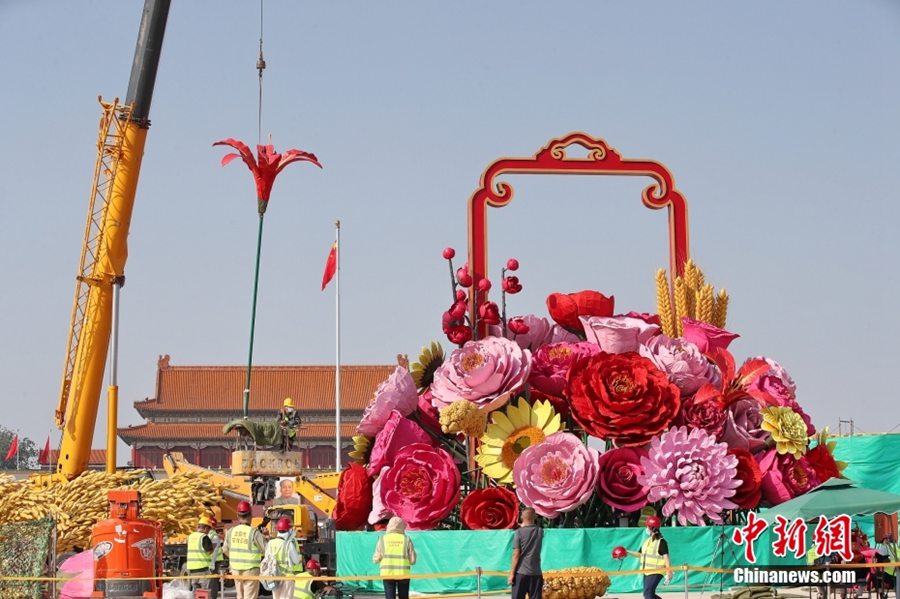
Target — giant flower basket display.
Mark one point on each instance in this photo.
(588, 413)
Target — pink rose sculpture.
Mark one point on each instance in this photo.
(617, 483)
(706, 336)
(692, 473)
(428, 415)
(743, 426)
(398, 432)
(683, 363)
(397, 392)
(556, 475)
(422, 486)
(550, 365)
(785, 477)
(485, 372)
(769, 383)
(705, 409)
(618, 334)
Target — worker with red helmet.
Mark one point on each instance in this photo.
(200, 557)
(654, 555)
(284, 550)
(304, 586)
(244, 545)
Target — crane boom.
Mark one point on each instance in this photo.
(105, 251)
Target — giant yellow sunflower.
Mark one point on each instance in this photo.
(510, 432)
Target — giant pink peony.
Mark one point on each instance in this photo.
(743, 426)
(705, 409)
(618, 334)
(785, 477)
(397, 392)
(706, 336)
(550, 365)
(422, 486)
(617, 483)
(770, 384)
(485, 372)
(398, 432)
(683, 363)
(556, 475)
(692, 473)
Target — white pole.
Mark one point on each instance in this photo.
(337, 366)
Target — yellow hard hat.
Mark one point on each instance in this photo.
(288, 402)
(204, 521)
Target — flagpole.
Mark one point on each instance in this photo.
(337, 332)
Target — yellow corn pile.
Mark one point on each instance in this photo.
(575, 583)
(78, 505)
(692, 297)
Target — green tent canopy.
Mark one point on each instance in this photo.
(834, 497)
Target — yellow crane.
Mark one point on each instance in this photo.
(101, 272)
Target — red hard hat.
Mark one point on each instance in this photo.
(619, 552)
(312, 565)
(653, 522)
(243, 507)
(283, 525)
(212, 522)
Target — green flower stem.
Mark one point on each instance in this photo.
(253, 317)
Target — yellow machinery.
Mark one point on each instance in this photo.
(120, 148)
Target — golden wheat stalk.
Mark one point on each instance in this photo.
(720, 309)
(706, 302)
(681, 304)
(664, 303)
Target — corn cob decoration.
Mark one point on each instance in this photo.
(692, 297)
(576, 583)
(78, 505)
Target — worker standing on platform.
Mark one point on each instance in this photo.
(199, 557)
(395, 553)
(245, 545)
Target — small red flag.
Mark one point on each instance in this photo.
(330, 266)
(44, 456)
(13, 448)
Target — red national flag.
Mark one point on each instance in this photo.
(44, 456)
(13, 448)
(330, 266)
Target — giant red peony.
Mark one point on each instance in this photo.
(748, 495)
(422, 486)
(622, 397)
(565, 308)
(354, 498)
(493, 508)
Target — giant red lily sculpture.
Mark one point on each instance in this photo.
(265, 168)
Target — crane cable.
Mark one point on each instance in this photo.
(260, 67)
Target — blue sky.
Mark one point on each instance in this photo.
(778, 120)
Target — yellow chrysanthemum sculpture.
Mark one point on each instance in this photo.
(462, 416)
(787, 428)
(512, 430)
(362, 445)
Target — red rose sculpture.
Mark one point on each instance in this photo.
(354, 499)
(422, 486)
(617, 484)
(565, 308)
(490, 509)
(705, 409)
(822, 462)
(747, 496)
(622, 397)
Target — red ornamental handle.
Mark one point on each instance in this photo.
(552, 160)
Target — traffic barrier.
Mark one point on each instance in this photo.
(478, 574)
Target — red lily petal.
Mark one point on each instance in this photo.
(228, 158)
(297, 156)
(242, 148)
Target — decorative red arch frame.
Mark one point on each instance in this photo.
(553, 160)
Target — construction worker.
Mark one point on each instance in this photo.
(289, 421)
(245, 545)
(303, 585)
(200, 555)
(284, 548)
(886, 551)
(654, 555)
(395, 553)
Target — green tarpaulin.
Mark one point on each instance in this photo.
(833, 498)
(873, 461)
(465, 550)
